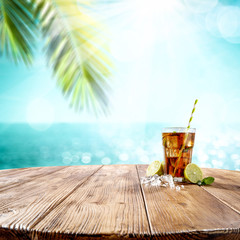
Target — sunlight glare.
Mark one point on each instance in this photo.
(149, 8)
(40, 114)
(149, 18)
(129, 45)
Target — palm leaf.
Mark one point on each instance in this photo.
(77, 51)
(17, 30)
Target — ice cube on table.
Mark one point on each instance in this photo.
(178, 188)
(157, 182)
(161, 181)
(168, 180)
(178, 179)
(145, 180)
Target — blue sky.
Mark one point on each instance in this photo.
(167, 54)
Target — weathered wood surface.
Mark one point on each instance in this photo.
(190, 212)
(109, 203)
(98, 202)
(226, 187)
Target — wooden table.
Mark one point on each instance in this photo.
(98, 202)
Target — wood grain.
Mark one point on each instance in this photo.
(15, 177)
(27, 204)
(109, 204)
(189, 213)
(226, 186)
(102, 202)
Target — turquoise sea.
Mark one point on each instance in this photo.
(81, 144)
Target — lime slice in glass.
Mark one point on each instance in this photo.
(155, 167)
(193, 173)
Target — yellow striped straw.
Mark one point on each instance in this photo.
(194, 106)
(185, 139)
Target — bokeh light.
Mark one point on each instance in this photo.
(86, 157)
(201, 6)
(106, 160)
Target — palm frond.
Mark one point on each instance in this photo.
(17, 29)
(77, 50)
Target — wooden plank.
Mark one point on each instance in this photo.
(29, 203)
(108, 205)
(226, 186)
(189, 213)
(15, 177)
(87, 203)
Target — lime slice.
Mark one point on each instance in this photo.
(193, 173)
(155, 167)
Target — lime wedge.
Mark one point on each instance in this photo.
(193, 173)
(155, 167)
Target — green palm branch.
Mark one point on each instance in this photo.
(17, 30)
(76, 48)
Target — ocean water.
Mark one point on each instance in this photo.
(81, 144)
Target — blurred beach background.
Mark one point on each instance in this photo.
(166, 54)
